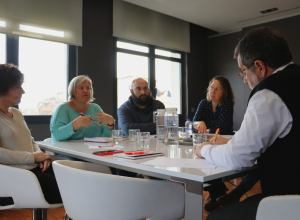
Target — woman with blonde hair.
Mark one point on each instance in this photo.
(78, 117)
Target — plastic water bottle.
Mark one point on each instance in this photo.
(188, 128)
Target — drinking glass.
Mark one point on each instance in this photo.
(199, 138)
(181, 133)
(133, 134)
(144, 139)
(117, 136)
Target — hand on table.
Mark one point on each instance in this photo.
(200, 126)
(199, 147)
(219, 140)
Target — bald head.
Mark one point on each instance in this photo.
(138, 81)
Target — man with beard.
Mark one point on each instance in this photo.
(137, 112)
(270, 129)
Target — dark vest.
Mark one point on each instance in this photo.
(279, 165)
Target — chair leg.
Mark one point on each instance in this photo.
(44, 214)
(39, 214)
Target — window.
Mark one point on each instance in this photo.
(161, 68)
(2, 48)
(129, 67)
(47, 66)
(44, 65)
(168, 83)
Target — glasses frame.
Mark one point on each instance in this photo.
(242, 75)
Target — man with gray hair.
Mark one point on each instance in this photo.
(269, 131)
(137, 112)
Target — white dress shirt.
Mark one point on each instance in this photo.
(266, 118)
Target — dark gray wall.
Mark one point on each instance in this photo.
(197, 67)
(221, 62)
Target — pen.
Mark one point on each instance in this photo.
(216, 134)
(107, 146)
(84, 115)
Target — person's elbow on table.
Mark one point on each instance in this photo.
(199, 148)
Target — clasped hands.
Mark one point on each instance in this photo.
(44, 160)
(219, 141)
(86, 120)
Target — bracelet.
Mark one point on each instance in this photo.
(111, 124)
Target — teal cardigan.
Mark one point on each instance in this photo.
(61, 124)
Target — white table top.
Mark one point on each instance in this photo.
(79, 149)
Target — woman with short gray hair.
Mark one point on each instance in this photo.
(75, 119)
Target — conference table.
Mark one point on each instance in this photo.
(194, 179)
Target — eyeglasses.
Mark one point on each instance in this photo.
(242, 74)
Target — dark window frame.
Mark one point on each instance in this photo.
(12, 56)
(151, 77)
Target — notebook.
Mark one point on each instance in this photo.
(138, 156)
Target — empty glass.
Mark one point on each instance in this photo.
(117, 136)
(199, 138)
(133, 134)
(181, 133)
(144, 139)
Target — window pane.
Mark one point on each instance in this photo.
(134, 47)
(44, 65)
(168, 78)
(167, 53)
(129, 67)
(2, 48)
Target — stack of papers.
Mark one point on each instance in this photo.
(180, 162)
(138, 156)
(98, 139)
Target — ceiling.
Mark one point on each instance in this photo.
(223, 15)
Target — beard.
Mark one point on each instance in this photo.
(254, 80)
(139, 101)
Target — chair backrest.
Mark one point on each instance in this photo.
(279, 207)
(89, 192)
(23, 186)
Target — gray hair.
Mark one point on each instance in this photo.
(75, 82)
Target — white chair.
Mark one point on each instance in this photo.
(46, 151)
(23, 186)
(279, 207)
(90, 192)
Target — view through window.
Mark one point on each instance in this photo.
(133, 61)
(2, 48)
(168, 83)
(44, 65)
(129, 67)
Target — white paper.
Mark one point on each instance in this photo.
(98, 139)
(180, 162)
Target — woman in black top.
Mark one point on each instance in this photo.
(216, 111)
